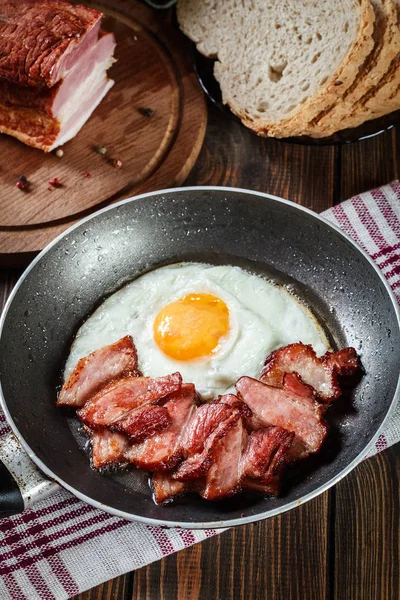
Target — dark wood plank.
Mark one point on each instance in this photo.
(368, 164)
(119, 588)
(366, 531)
(234, 156)
(274, 559)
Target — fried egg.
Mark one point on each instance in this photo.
(213, 324)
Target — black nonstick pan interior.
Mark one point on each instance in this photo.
(279, 240)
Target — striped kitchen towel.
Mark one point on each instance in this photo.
(64, 546)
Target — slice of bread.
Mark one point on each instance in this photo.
(344, 113)
(280, 64)
(385, 96)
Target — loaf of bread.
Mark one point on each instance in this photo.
(300, 67)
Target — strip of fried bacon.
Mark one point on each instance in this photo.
(319, 373)
(237, 442)
(165, 488)
(239, 462)
(143, 422)
(210, 423)
(223, 478)
(163, 451)
(95, 371)
(266, 452)
(108, 447)
(281, 407)
(117, 400)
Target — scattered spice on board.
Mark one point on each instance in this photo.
(146, 112)
(87, 175)
(117, 163)
(55, 182)
(101, 150)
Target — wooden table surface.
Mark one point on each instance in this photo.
(343, 545)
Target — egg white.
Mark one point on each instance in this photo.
(262, 316)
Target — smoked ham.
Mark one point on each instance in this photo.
(53, 69)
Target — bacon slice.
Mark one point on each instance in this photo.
(266, 453)
(165, 488)
(210, 423)
(345, 362)
(98, 369)
(108, 448)
(164, 450)
(280, 407)
(270, 487)
(319, 373)
(143, 422)
(234, 402)
(120, 398)
(224, 476)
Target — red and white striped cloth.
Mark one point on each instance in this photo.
(65, 546)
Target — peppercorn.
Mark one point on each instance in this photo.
(146, 112)
(117, 162)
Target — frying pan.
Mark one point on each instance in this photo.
(264, 234)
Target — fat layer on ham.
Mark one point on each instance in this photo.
(53, 71)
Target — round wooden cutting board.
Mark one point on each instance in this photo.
(153, 120)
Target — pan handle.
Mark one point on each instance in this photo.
(21, 483)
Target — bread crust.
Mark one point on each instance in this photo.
(343, 114)
(323, 98)
(375, 90)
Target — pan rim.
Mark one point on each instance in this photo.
(209, 524)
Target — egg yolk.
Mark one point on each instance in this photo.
(192, 326)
